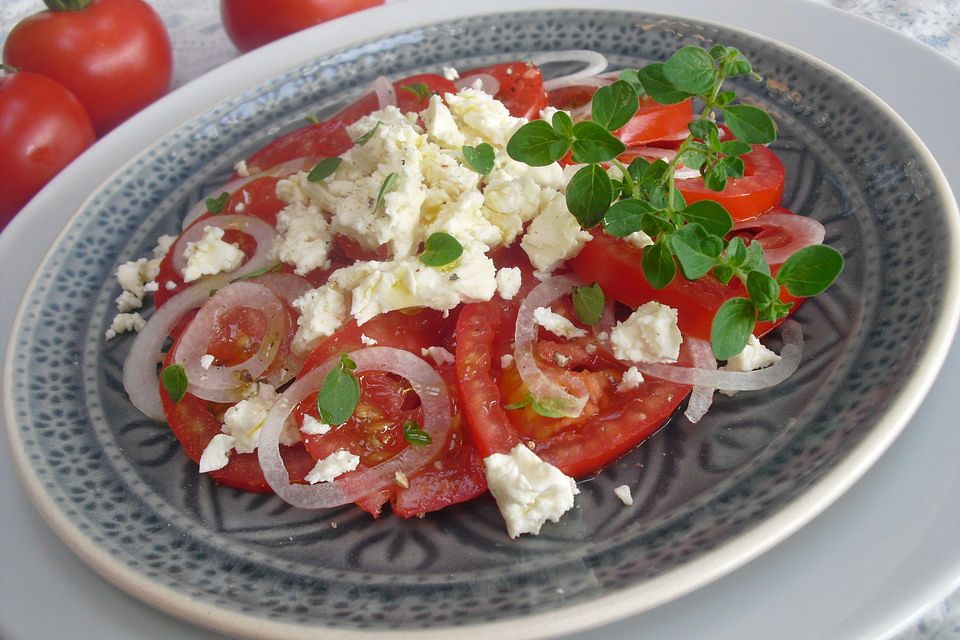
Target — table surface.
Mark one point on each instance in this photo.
(200, 44)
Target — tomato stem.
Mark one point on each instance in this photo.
(8, 68)
(67, 5)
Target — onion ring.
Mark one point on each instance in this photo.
(701, 397)
(386, 93)
(596, 63)
(488, 84)
(261, 232)
(804, 232)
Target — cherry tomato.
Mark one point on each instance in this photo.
(42, 128)
(114, 55)
(521, 87)
(254, 23)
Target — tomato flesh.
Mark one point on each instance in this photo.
(521, 87)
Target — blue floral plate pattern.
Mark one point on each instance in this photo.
(251, 564)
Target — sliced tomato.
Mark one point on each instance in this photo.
(257, 198)
(611, 424)
(375, 432)
(521, 87)
(407, 100)
(323, 140)
(759, 190)
(652, 122)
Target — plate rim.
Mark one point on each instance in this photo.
(603, 609)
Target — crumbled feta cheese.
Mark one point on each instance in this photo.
(623, 492)
(333, 466)
(211, 255)
(481, 118)
(241, 169)
(313, 427)
(548, 112)
(631, 379)
(508, 282)
(132, 276)
(439, 355)
(170, 285)
(244, 420)
(556, 323)
(216, 454)
(322, 311)
(650, 334)
(528, 490)
(639, 239)
(506, 360)
(303, 233)
(123, 322)
(554, 236)
(367, 340)
(206, 361)
(441, 127)
(450, 73)
(128, 301)
(151, 287)
(401, 479)
(754, 356)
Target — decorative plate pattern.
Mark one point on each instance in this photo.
(124, 484)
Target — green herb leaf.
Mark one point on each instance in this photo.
(537, 144)
(810, 270)
(216, 205)
(362, 140)
(563, 125)
(385, 188)
(703, 129)
(710, 215)
(691, 69)
(480, 158)
(736, 251)
(625, 217)
(696, 250)
(750, 124)
(340, 393)
(588, 302)
(763, 289)
(732, 166)
(723, 272)
(174, 381)
(513, 406)
(655, 83)
(324, 168)
(416, 436)
(419, 89)
(724, 98)
(732, 327)
(589, 194)
(715, 178)
(658, 266)
(734, 148)
(638, 168)
(593, 143)
(631, 76)
(440, 249)
(614, 105)
(549, 408)
(754, 261)
(312, 118)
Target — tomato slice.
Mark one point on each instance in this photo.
(521, 87)
(323, 139)
(612, 423)
(375, 432)
(651, 123)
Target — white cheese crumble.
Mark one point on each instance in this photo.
(528, 490)
(439, 355)
(211, 255)
(241, 169)
(508, 282)
(631, 379)
(367, 340)
(322, 311)
(506, 360)
(623, 492)
(450, 73)
(244, 420)
(650, 334)
(313, 427)
(639, 239)
(754, 356)
(554, 236)
(401, 479)
(216, 455)
(123, 322)
(556, 323)
(128, 301)
(206, 361)
(333, 466)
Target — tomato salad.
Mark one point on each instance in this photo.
(418, 299)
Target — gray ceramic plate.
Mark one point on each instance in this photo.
(707, 498)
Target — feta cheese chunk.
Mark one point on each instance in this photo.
(323, 311)
(554, 236)
(206, 361)
(367, 340)
(128, 301)
(123, 322)
(313, 427)
(481, 118)
(508, 282)
(639, 239)
(754, 356)
(650, 334)
(243, 420)
(506, 361)
(211, 255)
(528, 490)
(216, 454)
(441, 127)
(304, 235)
(631, 379)
(439, 355)
(333, 466)
(556, 323)
(623, 492)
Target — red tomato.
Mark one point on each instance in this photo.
(325, 139)
(616, 265)
(407, 100)
(611, 424)
(114, 55)
(652, 122)
(254, 23)
(521, 87)
(375, 433)
(42, 128)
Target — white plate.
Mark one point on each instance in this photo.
(763, 597)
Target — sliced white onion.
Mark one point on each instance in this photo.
(258, 229)
(287, 286)
(386, 93)
(790, 357)
(281, 170)
(596, 63)
(227, 383)
(140, 378)
(546, 391)
(577, 80)
(488, 84)
(803, 231)
(702, 397)
(426, 383)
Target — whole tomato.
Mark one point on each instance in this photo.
(114, 55)
(253, 23)
(42, 128)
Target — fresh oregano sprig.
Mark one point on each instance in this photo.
(691, 237)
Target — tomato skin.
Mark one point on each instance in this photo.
(254, 23)
(114, 55)
(43, 127)
(325, 139)
(521, 87)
